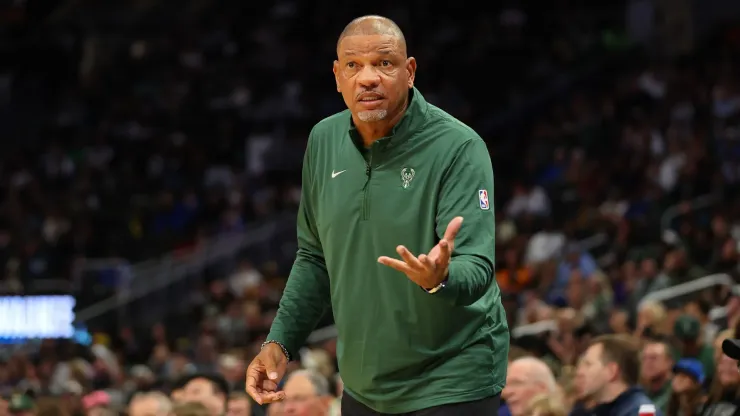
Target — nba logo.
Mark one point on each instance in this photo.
(483, 198)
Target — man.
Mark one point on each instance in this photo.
(239, 404)
(394, 173)
(699, 309)
(609, 371)
(306, 394)
(232, 369)
(527, 378)
(211, 390)
(687, 330)
(656, 371)
(150, 404)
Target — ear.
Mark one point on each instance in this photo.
(411, 70)
(613, 370)
(335, 69)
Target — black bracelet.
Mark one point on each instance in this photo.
(279, 344)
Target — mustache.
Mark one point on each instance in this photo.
(365, 94)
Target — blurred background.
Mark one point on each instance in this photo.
(150, 173)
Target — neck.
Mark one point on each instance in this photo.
(611, 392)
(376, 130)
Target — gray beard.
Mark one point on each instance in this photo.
(372, 115)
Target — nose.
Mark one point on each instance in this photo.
(506, 393)
(368, 77)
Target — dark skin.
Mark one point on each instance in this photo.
(374, 76)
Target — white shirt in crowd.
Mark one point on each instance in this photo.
(535, 202)
(543, 246)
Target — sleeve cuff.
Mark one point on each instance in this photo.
(449, 292)
(288, 349)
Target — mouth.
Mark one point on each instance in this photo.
(370, 99)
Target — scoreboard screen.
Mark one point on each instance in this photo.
(34, 317)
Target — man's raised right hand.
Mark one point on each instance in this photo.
(264, 374)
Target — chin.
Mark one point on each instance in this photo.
(369, 116)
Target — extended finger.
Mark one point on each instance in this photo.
(444, 253)
(252, 391)
(427, 262)
(409, 257)
(395, 264)
(453, 228)
(273, 397)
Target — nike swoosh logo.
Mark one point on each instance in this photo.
(335, 174)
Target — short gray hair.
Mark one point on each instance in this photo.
(318, 381)
(164, 404)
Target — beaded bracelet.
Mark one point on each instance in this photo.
(279, 344)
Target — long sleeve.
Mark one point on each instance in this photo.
(467, 191)
(306, 297)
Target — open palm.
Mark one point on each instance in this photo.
(427, 270)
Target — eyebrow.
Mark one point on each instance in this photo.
(382, 52)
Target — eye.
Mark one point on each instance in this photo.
(385, 62)
(351, 65)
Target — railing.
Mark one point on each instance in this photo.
(660, 296)
(152, 276)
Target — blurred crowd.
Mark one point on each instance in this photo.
(166, 125)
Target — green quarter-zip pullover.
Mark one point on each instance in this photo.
(400, 349)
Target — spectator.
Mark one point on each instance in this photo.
(724, 392)
(150, 404)
(687, 329)
(546, 405)
(526, 378)
(210, 390)
(609, 373)
(651, 319)
(656, 367)
(306, 392)
(97, 403)
(687, 396)
(700, 309)
(239, 404)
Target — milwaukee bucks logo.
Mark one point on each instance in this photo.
(407, 175)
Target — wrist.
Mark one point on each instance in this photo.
(277, 349)
(436, 288)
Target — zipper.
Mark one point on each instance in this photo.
(366, 190)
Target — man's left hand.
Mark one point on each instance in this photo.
(427, 270)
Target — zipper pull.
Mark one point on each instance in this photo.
(367, 169)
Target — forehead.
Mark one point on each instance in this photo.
(299, 386)
(593, 353)
(368, 44)
(198, 383)
(239, 402)
(654, 348)
(518, 371)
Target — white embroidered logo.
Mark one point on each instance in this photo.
(407, 175)
(335, 174)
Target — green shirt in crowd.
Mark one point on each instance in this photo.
(660, 397)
